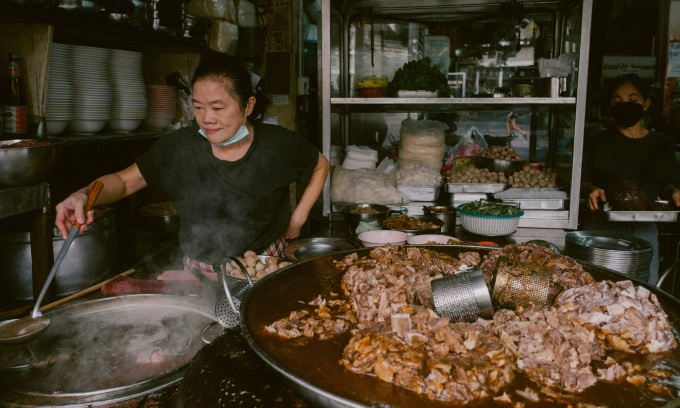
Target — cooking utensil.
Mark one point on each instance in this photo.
(464, 296)
(26, 329)
(519, 284)
(227, 307)
(308, 248)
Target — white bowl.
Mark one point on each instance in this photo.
(430, 238)
(54, 127)
(382, 237)
(488, 225)
(123, 125)
(86, 127)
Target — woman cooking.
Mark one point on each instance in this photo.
(227, 178)
(629, 151)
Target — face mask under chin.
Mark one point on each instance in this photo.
(626, 114)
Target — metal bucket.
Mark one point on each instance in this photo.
(90, 259)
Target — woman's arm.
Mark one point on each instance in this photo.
(116, 186)
(594, 194)
(309, 196)
(671, 193)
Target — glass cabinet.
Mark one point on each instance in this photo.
(494, 55)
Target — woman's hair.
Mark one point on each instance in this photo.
(632, 79)
(220, 67)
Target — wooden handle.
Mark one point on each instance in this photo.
(92, 197)
(81, 293)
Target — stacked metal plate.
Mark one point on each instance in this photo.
(617, 251)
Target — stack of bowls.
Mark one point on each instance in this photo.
(128, 108)
(620, 252)
(59, 101)
(92, 89)
(160, 109)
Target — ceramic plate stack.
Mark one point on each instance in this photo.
(617, 251)
(160, 111)
(128, 109)
(92, 90)
(59, 102)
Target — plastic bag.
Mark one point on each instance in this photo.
(468, 146)
(213, 9)
(557, 68)
(245, 14)
(223, 37)
(422, 140)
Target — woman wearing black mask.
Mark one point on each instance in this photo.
(629, 151)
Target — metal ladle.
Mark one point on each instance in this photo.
(26, 329)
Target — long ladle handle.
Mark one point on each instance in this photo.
(91, 197)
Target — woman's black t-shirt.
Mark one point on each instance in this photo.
(227, 208)
(649, 162)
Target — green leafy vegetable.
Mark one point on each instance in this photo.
(483, 207)
(419, 75)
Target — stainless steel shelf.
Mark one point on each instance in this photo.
(438, 104)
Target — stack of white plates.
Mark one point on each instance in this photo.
(161, 106)
(92, 89)
(59, 101)
(617, 251)
(128, 109)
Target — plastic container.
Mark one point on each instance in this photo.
(420, 193)
(488, 225)
(374, 92)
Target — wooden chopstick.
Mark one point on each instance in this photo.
(82, 292)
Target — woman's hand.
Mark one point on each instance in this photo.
(294, 226)
(70, 210)
(596, 193)
(675, 197)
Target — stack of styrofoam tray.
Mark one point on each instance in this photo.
(475, 187)
(537, 203)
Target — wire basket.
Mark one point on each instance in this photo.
(488, 225)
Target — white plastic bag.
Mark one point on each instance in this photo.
(557, 68)
(245, 14)
(213, 9)
(422, 140)
(223, 37)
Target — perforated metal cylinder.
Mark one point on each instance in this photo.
(463, 296)
(519, 284)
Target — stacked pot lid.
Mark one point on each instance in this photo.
(128, 108)
(59, 101)
(620, 252)
(161, 104)
(92, 89)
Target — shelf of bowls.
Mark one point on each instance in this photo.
(92, 89)
(487, 195)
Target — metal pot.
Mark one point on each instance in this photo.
(90, 259)
(276, 295)
(444, 213)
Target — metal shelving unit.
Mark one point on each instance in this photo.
(341, 13)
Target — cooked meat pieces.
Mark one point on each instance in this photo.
(550, 349)
(625, 195)
(457, 362)
(629, 318)
(396, 276)
(327, 320)
(565, 272)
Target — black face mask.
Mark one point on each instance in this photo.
(626, 114)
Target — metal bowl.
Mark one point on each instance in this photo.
(24, 166)
(436, 230)
(445, 213)
(353, 219)
(508, 167)
(160, 226)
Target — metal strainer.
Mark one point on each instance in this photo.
(227, 307)
(518, 283)
(463, 296)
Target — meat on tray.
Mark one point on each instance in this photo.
(625, 195)
(562, 348)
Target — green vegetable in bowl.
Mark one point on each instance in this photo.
(419, 75)
(483, 207)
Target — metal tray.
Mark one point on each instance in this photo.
(420, 193)
(641, 216)
(537, 203)
(547, 214)
(474, 187)
(467, 197)
(308, 248)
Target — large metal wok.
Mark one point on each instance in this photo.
(105, 351)
(312, 368)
